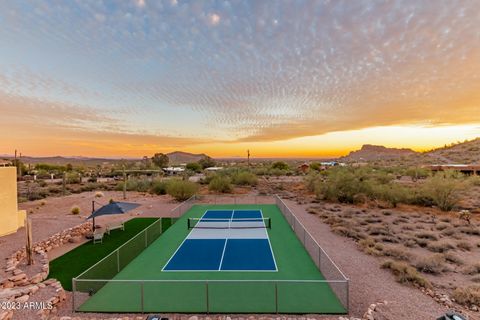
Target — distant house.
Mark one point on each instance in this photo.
(213, 168)
(173, 170)
(5, 163)
(463, 168)
(304, 167)
(329, 163)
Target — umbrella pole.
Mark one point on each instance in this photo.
(93, 210)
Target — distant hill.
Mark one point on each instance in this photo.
(58, 160)
(370, 153)
(467, 152)
(178, 157)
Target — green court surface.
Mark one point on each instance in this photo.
(143, 287)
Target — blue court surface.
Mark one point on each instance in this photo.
(225, 240)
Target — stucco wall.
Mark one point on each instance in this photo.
(10, 217)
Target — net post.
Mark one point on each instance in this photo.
(74, 289)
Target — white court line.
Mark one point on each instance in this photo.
(181, 244)
(225, 245)
(270, 244)
(226, 240)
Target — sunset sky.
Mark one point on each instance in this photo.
(282, 78)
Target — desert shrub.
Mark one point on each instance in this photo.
(470, 230)
(433, 264)
(139, 185)
(464, 245)
(99, 194)
(311, 181)
(75, 210)
(443, 189)
(422, 242)
(445, 219)
(417, 173)
(89, 187)
(42, 183)
(426, 235)
(474, 180)
(450, 257)
(467, 296)
(392, 193)
(465, 215)
(442, 226)
(43, 202)
(158, 187)
(344, 185)
(473, 269)
(378, 230)
(245, 179)
(181, 190)
(396, 253)
(475, 279)
(440, 246)
(448, 232)
(373, 219)
(345, 232)
(280, 165)
(53, 189)
(73, 177)
(220, 184)
(410, 243)
(405, 273)
(194, 166)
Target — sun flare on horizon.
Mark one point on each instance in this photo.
(282, 79)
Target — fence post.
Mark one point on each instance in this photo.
(74, 289)
(319, 259)
(207, 301)
(276, 297)
(348, 295)
(141, 296)
(118, 260)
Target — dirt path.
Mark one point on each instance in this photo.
(368, 282)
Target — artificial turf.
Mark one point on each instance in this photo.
(74, 262)
(202, 292)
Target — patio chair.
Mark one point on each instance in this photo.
(114, 226)
(98, 237)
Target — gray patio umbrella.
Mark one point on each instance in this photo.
(111, 208)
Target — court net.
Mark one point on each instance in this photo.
(219, 223)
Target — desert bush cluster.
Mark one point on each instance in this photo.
(358, 185)
(179, 189)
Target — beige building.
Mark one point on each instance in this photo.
(10, 217)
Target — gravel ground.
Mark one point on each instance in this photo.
(368, 282)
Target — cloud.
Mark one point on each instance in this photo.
(266, 72)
